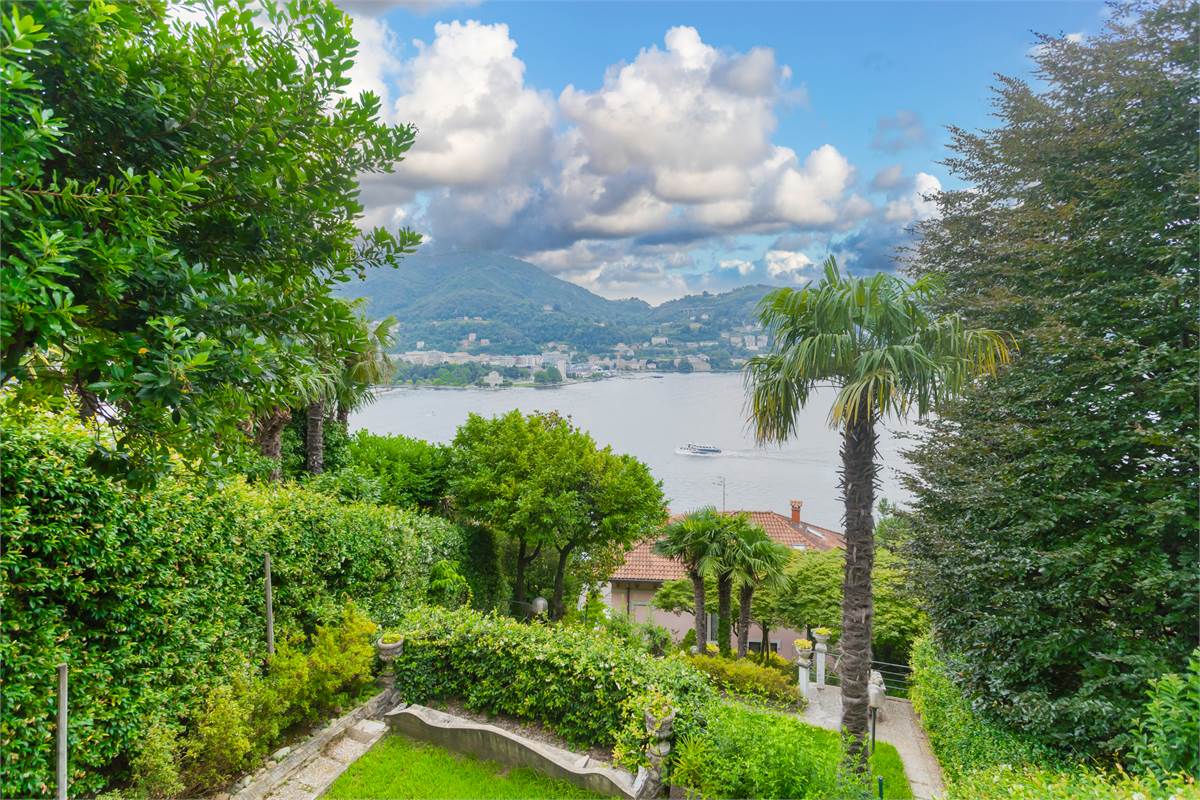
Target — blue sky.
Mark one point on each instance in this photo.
(656, 149)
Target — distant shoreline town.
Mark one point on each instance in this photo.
(559, 362)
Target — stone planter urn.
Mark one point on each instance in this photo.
(388, 651)
(821, 638)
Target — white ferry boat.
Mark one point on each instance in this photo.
(699, 450)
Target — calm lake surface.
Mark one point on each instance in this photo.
(651, 417)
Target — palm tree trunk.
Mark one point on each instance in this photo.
(314, 438)
(343, 416)
(557, 607)
(701, 619)
(268, 436)
(724, 611)
(858, 491)
(744, 599)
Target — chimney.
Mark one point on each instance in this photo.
(796, 506)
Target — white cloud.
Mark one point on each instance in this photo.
(915, 205)
(786, 264)
(673, 149)
(479, 124)
(743, 267)
(378, 57)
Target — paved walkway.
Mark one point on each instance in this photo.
(898, 726)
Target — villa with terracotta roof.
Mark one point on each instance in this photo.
(634, 583)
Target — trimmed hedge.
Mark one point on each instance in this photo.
(155, 597)
(585, 684)
(984, 761)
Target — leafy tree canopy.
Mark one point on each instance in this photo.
(813, 597)
(1055, 531)
(545, 485)
(177, 199)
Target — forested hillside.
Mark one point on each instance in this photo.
(518, 307)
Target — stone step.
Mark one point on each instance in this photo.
(367, 731)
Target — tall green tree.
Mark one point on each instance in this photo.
(177, 199)
(1054, 530)
(691, 539)
(876, 340)
(545, 485)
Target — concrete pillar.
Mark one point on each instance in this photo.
(804, 678)
(821, 648)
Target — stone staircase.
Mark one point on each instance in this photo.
(306, 771)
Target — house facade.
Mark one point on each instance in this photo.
(643, 572)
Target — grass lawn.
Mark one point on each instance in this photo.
(886, 763)
(398, 768)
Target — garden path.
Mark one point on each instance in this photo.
(898, 726)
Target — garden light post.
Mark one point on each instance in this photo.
(720, 481)
(61, 734)
(270, 604)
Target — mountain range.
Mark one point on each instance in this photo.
(440, 299)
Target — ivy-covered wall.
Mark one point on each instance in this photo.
(152, 597)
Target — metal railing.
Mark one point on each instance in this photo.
(895, 676)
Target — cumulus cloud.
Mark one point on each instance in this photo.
(685, 132)
(786, 264)
(479, 124)
(915, 205)
(612, 187)
(899, 132)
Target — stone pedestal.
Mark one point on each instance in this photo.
(649, 784)
(821, 649)
(803, 666)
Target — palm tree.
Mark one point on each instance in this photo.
(691, 540)
(877, 342)
(364, 364)
(724, 561)
(757, 561)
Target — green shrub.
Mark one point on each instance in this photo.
(646, 636)
(446, 587)
(585, 684)
(745, 752)
(243, 720)
(1026, 782)
(411, 472)
(747, 679)
(154, 597)
(1166, 738)
(155, 771)
(984, 761)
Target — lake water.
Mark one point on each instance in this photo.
(651, 417)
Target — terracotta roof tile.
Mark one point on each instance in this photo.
(643, 565)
